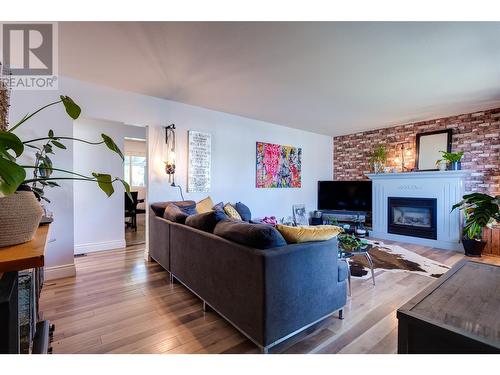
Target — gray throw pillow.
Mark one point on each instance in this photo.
(259, 236)
(175, 214)
(206, 221)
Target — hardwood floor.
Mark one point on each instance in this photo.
(119, 303)
(136, 237)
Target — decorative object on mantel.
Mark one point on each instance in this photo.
(429, 146)
(480, 211)
(20, 214)
(404, 152)
(199, 163)
(453, 158)
(278, 166)
(378, 159)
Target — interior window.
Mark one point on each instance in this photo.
(135, 170)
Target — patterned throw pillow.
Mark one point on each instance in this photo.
(205, 205)
(231, 212)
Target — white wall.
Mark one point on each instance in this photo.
(234, 161)
(99, 220)
(233, 151)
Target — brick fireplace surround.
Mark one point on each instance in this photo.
(478, 134)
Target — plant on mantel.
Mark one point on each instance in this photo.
(18, 180)
(453, 158)
(378, 159)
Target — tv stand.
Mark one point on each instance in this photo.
(346, 218)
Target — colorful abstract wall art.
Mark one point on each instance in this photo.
(278, 166)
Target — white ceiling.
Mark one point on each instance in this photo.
(331, 77)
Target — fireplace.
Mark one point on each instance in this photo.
(414, 217)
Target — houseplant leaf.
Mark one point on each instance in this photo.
(112, 145)
(10, 141)
(105, 183)
(127, 188)
(72, 109)
(59, 145)
(11, 176)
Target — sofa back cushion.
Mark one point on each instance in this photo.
(259, 236)
(175, 213)
(206, 221)
(189, 207)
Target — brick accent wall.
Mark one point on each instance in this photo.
(477, 134)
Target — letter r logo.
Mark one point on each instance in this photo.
(28, 49)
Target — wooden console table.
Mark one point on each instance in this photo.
(29, 255)
(458, 313)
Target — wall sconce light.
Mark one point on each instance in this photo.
(170, 157)
(170, 154)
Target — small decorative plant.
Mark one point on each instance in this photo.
(453, 158)
(378, 159)
(349, 242)
(480, 210)
(13, 174)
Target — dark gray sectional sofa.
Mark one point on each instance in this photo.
(269, 295)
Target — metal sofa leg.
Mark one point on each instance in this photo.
(264, 350)
(341, 314)
(171, 278)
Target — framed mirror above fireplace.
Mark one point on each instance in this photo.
(428, 148)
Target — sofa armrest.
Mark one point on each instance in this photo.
(159, 239)
(301, 286)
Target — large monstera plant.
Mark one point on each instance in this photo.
(41, 174)
(480, 210)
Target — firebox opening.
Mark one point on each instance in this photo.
(414, 217)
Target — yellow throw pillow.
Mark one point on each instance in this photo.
(305, 234)
(205, 205)
(231, 212)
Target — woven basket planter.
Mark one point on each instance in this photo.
(20, 215)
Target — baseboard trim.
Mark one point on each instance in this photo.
(99, 246)
(59, 272)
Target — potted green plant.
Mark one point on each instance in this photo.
(349, 242)
(21, 193)
(378, 159)
(453, 158)
(480, 210)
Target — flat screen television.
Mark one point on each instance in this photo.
(345, 195)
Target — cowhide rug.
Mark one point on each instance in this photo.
(395, 258)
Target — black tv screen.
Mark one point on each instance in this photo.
(345, 195)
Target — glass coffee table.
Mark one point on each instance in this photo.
(348, 254)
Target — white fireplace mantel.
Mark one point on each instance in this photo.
(447, 187)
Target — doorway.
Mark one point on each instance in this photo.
(135, 174)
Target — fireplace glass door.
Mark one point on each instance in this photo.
(415, 217)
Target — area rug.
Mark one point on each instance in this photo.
(395, 258)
